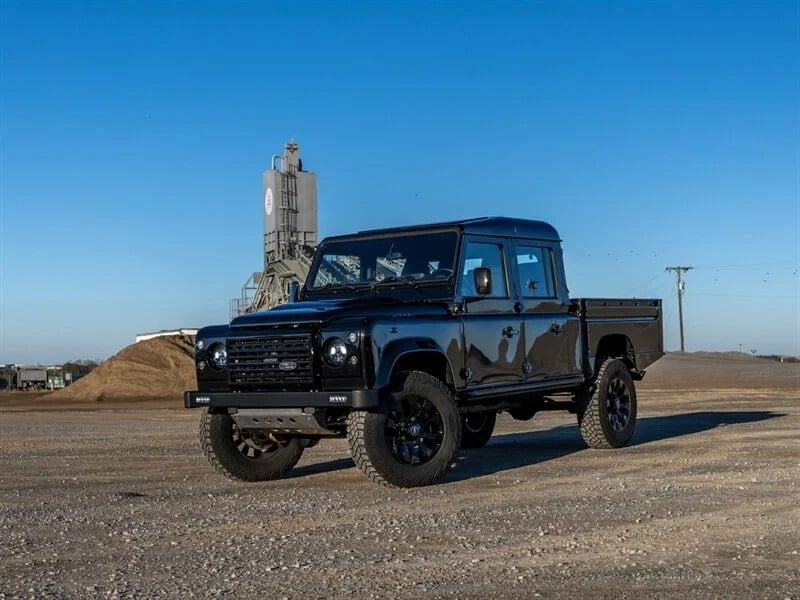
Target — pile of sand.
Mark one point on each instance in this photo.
(161, 367)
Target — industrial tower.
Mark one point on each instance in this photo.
(289, 207)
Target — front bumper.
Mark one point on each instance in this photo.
(356, 399)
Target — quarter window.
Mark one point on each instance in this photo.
(535, 268)
(478, 254)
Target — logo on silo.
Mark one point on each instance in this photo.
(268, 201)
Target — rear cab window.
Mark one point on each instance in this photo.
(535, 271)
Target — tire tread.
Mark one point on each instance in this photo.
(287, 462)
(371, 466)
(590, 417)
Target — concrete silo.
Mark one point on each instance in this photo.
(289, 209)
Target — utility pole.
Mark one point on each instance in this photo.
(681, 283)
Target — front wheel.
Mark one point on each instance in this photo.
(608, 418)
(246, 454)
(413, 440)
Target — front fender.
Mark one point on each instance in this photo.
(399, 350)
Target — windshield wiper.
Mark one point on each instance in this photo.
(393, 279)
(334, 284)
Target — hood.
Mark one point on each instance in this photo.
(325, 311)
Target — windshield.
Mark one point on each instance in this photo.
(416, 258)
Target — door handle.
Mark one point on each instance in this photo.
(555, 329)
(510, 332)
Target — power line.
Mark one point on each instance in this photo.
(636, 287)
(790, 296)
(745, 265)
(679, 271)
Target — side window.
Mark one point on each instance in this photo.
(479, 254)
(535, 269)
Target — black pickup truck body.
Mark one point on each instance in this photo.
(415, 300)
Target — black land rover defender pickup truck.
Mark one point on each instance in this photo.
(409, 341)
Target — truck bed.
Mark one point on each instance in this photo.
(638, 319)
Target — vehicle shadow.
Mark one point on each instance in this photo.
(515, 450)
(329, 466)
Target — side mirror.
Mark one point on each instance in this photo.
(483, 281)
(294, 291)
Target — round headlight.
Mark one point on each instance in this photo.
(336, 352)
(217, 356)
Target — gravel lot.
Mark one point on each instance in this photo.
(119, 503)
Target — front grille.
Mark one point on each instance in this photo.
(254, 364)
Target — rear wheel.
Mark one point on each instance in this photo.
(413, 440)
(477, 429)
(246, 454)
(607, 418)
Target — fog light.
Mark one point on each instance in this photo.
(353, 360)
(201, 365)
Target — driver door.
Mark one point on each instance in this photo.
(493, 344)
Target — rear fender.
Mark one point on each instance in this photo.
(615, 346)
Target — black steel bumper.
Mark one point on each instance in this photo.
(358, 399)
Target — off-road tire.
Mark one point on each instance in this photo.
(477, 429)
(216, 440)
(366, 434)
(593, 412)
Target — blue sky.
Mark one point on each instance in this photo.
(133, 136)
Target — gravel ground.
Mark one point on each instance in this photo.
(119, 503)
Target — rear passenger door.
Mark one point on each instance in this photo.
(494, 352)
(544, 313)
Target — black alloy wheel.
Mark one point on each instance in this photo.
(246, 454)
(413, 439)
(414, 430)
(618, 404)
(607, 411)
(252, 443)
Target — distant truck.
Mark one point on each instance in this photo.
(408, 342)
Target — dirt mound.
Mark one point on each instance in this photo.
(720, 370)
(161, 367)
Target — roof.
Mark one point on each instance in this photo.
(499, 226)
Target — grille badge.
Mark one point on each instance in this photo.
(287, 365)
